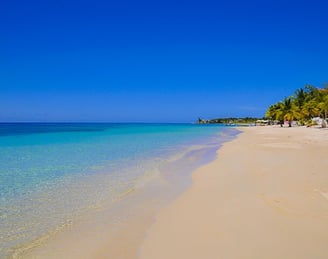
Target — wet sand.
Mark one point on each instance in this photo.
(265, 196)
(117, 229)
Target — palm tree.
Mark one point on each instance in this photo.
(306, 103)
(271, 112)
(300, 97)
(275, 112)
(290, 110)
(310, 109)
(323, 106)
(322, 100)
(312, 91)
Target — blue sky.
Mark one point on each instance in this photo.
(156, 61)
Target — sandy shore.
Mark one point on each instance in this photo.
(265, 196)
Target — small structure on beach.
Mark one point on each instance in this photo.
(320, 122)
(262, 122)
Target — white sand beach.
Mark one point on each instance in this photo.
(265, 196)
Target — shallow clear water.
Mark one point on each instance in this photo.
(51, 173)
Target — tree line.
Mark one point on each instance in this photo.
(228, 120)
(306, 103)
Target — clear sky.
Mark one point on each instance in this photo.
(156, 61)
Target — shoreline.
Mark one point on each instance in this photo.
(117, 231)
(265, 196)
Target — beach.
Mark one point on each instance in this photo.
(265, 196)
(148, 130)
(84, 190)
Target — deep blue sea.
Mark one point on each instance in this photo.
(52, 172)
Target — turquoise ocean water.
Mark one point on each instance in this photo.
(51, 173)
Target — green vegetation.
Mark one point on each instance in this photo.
(306, 103)
(229, 121)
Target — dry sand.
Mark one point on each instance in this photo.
(265, 196)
